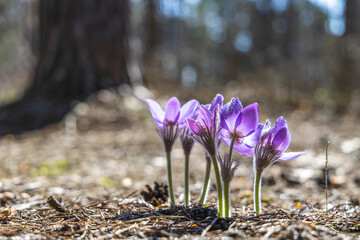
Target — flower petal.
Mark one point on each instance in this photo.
(207, 105)
(227, 141)
(218, 99)
(172, 110)
(192, 126)
(216, 118)
(249, 120)
(254, 138)
(204, 116)
(280, 123)
(225, 133)
(243, 149)
(266, 131)
(230, 113)
(156, 112)
(187, 110)
(290, 155)
(282, 139)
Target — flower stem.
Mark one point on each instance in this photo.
(170, 183)
(205, 188)
(186, 181)
(227, 203)
(257, 192)
(227, 199)
(231, 146)
(219, 187)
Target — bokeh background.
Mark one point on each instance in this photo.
(305, 53)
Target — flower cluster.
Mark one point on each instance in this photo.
(211, 124)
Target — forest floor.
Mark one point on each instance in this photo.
(82, 178)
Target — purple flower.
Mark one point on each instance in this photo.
(218, 100)
(273, 142)
(239, 124)
(174, 114)
(172, 119)
(205, 128)
(187, 140)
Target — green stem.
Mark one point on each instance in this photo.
(231, 146)
(205, 188)
(257, 192)
(227, 199)
(219, 187)
(186, 181)
(170, 183)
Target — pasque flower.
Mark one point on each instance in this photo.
(174, 115)
(172, 119)
(205, 129)
(273, 142)
(217, 101)
(169, 122)
(238, 126)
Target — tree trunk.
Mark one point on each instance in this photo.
(151, 37)
(83, 48)
(348, 77)
(262, 30)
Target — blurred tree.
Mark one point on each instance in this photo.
(151, 30)
(151, 38)
(83, 48)
(262, 30)
(348, 77)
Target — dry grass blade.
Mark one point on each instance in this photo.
(208, 227)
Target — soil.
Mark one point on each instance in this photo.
(92, 175)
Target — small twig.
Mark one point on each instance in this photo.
(167, 216)
(326, 174)
(285, 213)
(209, 227)
(79, 219)
(268, 234)
(232, 224)
(259, 217)
(173, 235)
(83, 235)
(122, 230)
(83, 212)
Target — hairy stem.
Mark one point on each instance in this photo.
(227, 200)
(186, 181)
(257, 192)
(219, 187)
(170, 183)
(205, 188)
